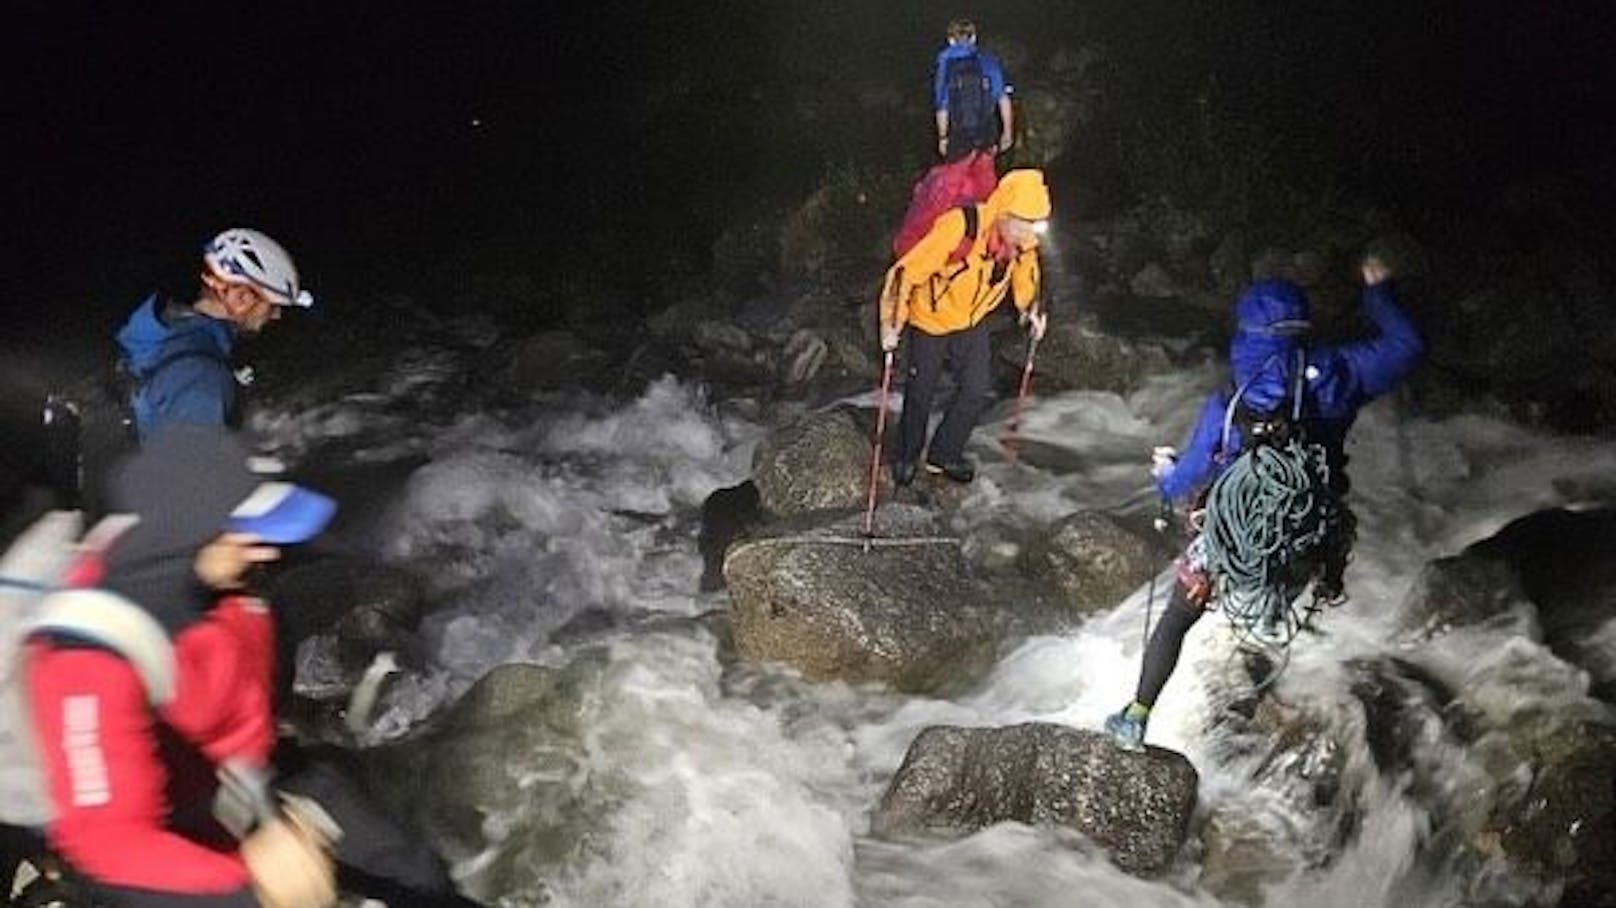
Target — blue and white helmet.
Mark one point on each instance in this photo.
(242, 255)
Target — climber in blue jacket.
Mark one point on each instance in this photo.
(179, 355)
(1279, 384)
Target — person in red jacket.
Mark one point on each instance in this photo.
(131, 776)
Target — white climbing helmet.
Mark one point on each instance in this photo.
(242, 255)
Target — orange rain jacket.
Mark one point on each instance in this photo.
(926, 288)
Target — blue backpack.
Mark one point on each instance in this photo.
(973, 118)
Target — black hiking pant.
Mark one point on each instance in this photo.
(969, 356)
(378, 855)
(1166, 642)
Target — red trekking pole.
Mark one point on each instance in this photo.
(1007, 441)
(875, 452)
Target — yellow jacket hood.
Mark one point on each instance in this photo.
(1022, 194)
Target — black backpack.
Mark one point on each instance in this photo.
(973, 118)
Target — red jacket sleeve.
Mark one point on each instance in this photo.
(99, 745)
(224, 676)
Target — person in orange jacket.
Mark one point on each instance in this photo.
(940, 294)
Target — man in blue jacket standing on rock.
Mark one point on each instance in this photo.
(971, 97)
(179, 355)
(1271, 364)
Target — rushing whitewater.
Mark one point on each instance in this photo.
(712, 784)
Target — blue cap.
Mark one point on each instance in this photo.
(191, 482)
(280, 513)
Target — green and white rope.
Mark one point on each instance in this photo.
(1267, 517)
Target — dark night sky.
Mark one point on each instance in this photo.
(348, 128)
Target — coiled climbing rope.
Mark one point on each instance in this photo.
(1267, 518)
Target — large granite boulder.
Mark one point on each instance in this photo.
(1556, 565)
(899, 608)
(727, 515)
(1559, 827)
(1135, 806)
(372, 606)
(1074, 357)
(1095, 560)
(493, 773)
(1458, 591)
(818, 462)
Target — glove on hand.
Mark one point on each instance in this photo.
(243, 798)
(289, 860)
(890, 338)
(1163, 459)
(1374, 271)
(1037, 322)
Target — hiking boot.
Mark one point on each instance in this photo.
(903, 472)
(960, 471)
(1126, 732)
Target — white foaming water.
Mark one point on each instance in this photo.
(759, 792)
(715, 801)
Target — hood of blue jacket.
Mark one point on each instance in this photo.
(146, 338)
(1271, 324)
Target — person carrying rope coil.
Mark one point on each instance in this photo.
(1265, 471)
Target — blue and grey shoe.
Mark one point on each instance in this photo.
(1126, 731)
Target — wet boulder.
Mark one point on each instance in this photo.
(1556, 565)
(1561, 825)
(1095, 560)
(1242, 852)
(1566, 562)
(1134, 806)
(1510, 763)
(1075, 357)
(818, 462)
(490, 776)
(727, 515)
(899, 609)
(371, 606)
(731, 357)
(802, 357)
(1459, 591)
(548, 361)
(844, 226)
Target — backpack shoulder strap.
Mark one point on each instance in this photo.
(1298, 384)
(973, 219)
(107, 619)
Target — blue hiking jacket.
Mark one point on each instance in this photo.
(181, 367)
(990, 68)
(1264, 355)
